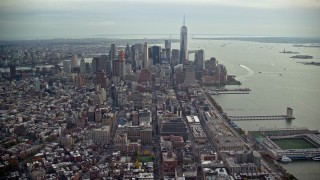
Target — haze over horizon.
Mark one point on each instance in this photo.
(36, 19)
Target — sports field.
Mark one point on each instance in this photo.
(293, 143)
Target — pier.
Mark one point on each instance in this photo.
(288, 116)
(244, 92)
(230, 91)
(262, 118)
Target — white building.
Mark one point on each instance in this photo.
(99, 135)
(37, 84)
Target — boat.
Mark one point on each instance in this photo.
(285, 159)
(317, 158)
(213, 93)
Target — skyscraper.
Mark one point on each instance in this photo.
(121, 64)
(13, 71)
(74, 61)
(82, 66)
(175, 57)
(199, 62)
(154, 53)
(168, 49)
(145, 55)
(133, 58)
(67, 66)
(183, 43)
(112, 52)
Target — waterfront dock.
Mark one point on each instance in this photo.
(257, 118)
(288, 116)
(244, 92)
(230, 91)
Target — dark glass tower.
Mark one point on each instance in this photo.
(183, 43)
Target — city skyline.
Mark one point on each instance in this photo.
(33, 19)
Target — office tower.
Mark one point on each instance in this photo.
(74, 61)
(167, 46)
(94, 65)
(145, 55)
(121, 64)
(127, 53)
(199, 62)
(223, 73)
(139, 49)
(183, 43)
(67, 66)
(133, 58)
(112, 52)
(189, 74)
(116, 67)
(82, 66)
(175, 58)
(163, 57)
(154, 54)
(139, 55)
(98, 64)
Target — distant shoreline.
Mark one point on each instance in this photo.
(298, 41)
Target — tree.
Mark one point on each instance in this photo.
(147, 153)
(13, 162)
(137, 164)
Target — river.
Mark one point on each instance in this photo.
(277, 82)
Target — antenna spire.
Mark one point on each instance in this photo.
(184, 19)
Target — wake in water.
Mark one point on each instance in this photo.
(250, 72)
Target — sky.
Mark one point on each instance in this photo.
(38, 19)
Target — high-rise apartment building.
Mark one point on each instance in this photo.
(183, 43)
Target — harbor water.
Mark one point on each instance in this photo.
(276, 82)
